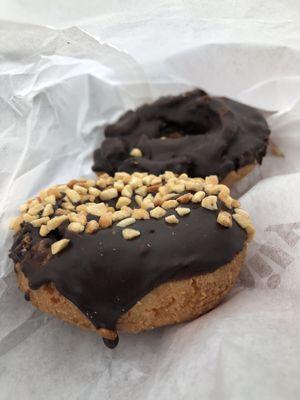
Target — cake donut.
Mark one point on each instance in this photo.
(192, 133)
(130, 252)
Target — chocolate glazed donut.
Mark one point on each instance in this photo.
(192, 133)
(130, 252)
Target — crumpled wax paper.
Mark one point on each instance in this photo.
(59, 87)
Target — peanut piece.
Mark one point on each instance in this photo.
(158, 212)
(81, 218)
(142, 190)
(105, 221)
(140, 213)
(15, 223)
(101, 183)
(94, 191)
(146, 204)
(48, 210)
(127, 191)
(135, 182)
(73, 195)
(76, 227)
(138, 199)
(241, 220)
(39, 222)
(224, 218)
(182, 211)
(44, 231)
(185, 198)
(55, 222)
(56, 247)
(171, 219)
(193, 185)
(126, 222)
(80, 189)
(211, 189)
(119, 185)
(211, 180)
(34, 210)
(97, 209)
(129, 233)
(135, 152)
(119, 215)
(68, 206)
(92, 226)
(169, 204)
(123, 201)
(29, 218)
(198, 197)
(210, 202)
(109, 194)
(123, 176)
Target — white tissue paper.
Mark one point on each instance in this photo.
(59, 88)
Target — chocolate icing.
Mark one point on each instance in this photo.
(193, 133)
(105, 275)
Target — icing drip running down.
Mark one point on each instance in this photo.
(105, 244)
(192, 133)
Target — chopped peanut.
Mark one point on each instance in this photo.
(158, 212)
(129, 233)
(76, 227)
(185, 198)
(123, 201)
(210, 202)
(80, 189)
(56, 247)
(48, 210)
(127, 191)
(55, 222)
(73, 195)
(44, 230)
(135, 152)
(224, 218)
(198, 197)
(105, 221)
(15, 223)
(171, 219)
(109, 194)
(97, 209)
(182, 211)
(140, 213)
(40, 221)
(169, 204)
(211, 180)
(92, 226)
(126, 222)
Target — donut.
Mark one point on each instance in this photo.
(192, 133)
(130, 252)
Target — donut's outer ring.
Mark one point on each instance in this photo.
(169, 303)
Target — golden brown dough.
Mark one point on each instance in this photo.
(235, 176)
(171, 302)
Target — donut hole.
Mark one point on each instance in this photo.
(197, 119)
(173, 135)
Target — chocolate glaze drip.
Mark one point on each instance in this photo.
(105, 275)
(192, 133)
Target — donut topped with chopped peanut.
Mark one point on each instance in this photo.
(105, 244)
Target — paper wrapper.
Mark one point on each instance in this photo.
(59, 88)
